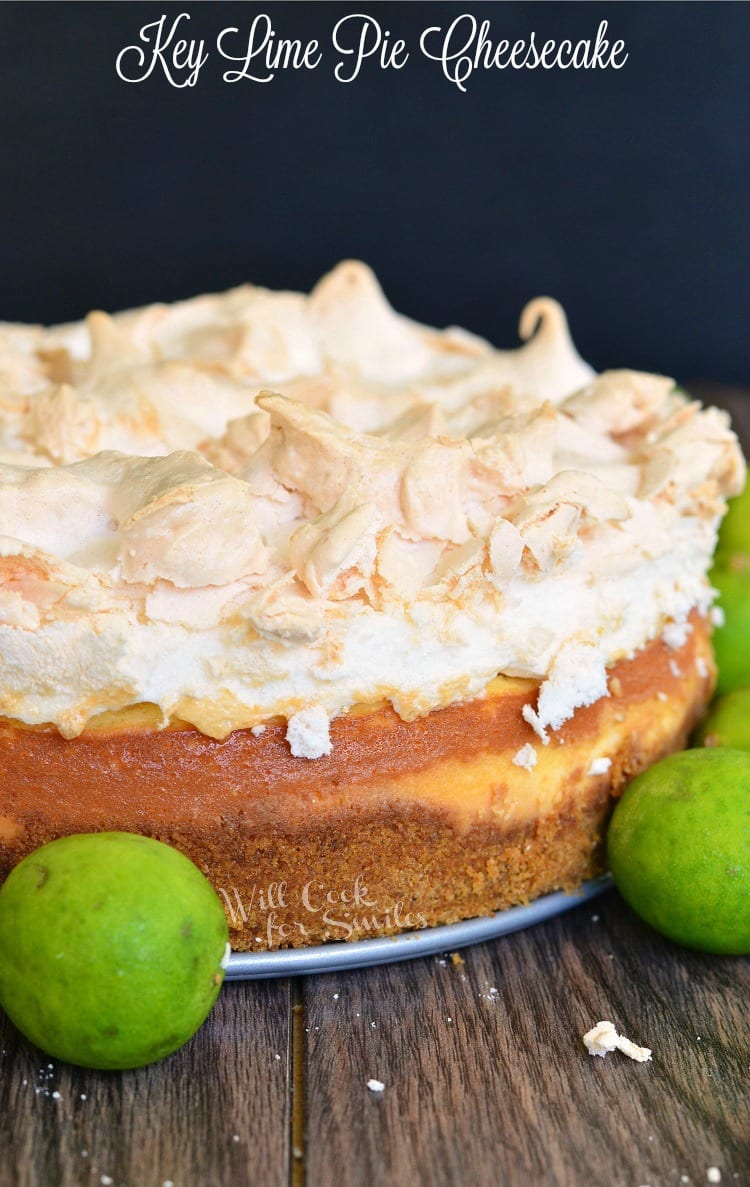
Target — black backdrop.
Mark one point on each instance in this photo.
(626, 194)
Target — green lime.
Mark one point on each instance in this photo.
(728, 722)
(734, 534)
(732, 640)
(679, 848)
(110, 949)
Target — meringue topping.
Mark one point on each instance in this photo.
(185, 376)
(259, 505)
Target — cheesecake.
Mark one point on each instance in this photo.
(372, 621)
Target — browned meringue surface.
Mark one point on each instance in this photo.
(185, 376)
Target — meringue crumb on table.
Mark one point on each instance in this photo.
(603, 1038)
(376, 1085)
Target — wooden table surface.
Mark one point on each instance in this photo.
(486, 1079)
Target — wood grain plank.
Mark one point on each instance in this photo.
(210, 1115)
(487, 1080)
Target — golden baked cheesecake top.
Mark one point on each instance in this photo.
(407, 514)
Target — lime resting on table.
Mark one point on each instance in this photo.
(728, 722)
(734, 533)
(731, 577)
(111, 949)
(732, 639)
(679, 848)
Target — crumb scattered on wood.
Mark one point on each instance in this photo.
(603, 1038)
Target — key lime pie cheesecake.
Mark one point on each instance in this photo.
(372, 621)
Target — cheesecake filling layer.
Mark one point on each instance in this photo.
(412, 514)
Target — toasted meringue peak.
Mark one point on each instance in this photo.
(358, 328)
(257, 504)
(548, 363)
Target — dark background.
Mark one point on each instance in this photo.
(626, 194)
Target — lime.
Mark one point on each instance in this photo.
(679, 848)
(110, 949)
(734, 534)
(732, 640)
(728, 722)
